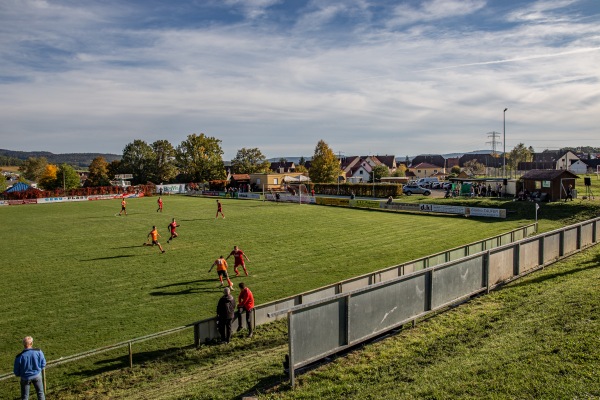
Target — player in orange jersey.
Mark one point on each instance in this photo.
(154, 235)
(123, 206)
(222, 271)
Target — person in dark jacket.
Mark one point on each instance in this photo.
(225, 315)
(28, 366)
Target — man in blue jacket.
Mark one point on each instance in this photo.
(28, 366)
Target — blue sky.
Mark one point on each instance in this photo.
(368, 77)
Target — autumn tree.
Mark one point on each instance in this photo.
(47, 180)
(98, 173)
(474, 167)
(250, 161)
(200, 158)
(164, 168)
(518, 154)
(3, 184)
(325, 167)
(401, 170)
(33, 168)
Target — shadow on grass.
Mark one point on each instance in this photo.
(184, 283)
(183, 292)
(109, 258)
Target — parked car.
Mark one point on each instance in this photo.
(416, 189)
(427, 182)
(447, 185)
(436, 185)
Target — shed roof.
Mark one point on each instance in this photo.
(548, 174)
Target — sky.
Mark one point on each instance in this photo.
(366, 76)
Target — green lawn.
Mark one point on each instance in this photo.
(77, 277)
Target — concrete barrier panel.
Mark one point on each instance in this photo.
(587, 234)
(551, 247)
(458, 253)
(260, 312)
(377, 310)
(454, 281)
(348, 286)
(319, 295)
(476, 248)
(570, 241)
(318, 330)
(505, 239)
(529, 255)
(437, 259)
(388, 275)
(501, 265)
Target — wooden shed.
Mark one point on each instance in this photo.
(552, 182)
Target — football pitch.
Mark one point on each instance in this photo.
(76, 277)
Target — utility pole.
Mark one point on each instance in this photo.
(494, 142)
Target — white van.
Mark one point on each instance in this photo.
(427, 182)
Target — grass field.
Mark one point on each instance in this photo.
(76, 269)
(77, 277)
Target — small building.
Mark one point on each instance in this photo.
(552, 183)
(425, 170)
(274, 181)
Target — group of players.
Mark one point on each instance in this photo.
(220, 263)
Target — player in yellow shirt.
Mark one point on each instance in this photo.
(221, 265)
(154, 235)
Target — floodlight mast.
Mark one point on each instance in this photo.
(504, 144)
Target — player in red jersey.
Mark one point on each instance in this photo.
(219, 210)
(238, 256)
(171, 227)
(160, 204)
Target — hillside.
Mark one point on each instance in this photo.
(75, 159)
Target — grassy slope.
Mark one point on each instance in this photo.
(76, 277)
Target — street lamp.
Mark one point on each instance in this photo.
(504, 143)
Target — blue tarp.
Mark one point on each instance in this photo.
(18, 187)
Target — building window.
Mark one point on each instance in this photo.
(275, 181)
(258, 181)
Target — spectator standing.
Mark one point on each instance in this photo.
(569, 193)
(28, 366)
(225, 314)
(245, 304)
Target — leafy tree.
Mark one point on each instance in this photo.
(250, 161)
(67, 177)
(200, 158)
(98, 173)
(139, 159)
(518, 154)
(33, 168)
(325, 167)
(474, 167)
(48, 179)
(301, 169)
(379, 171)
(302, 161)
(455, 170)
(3, 184)
(115, 167)
(401, 170)
(164, 169)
